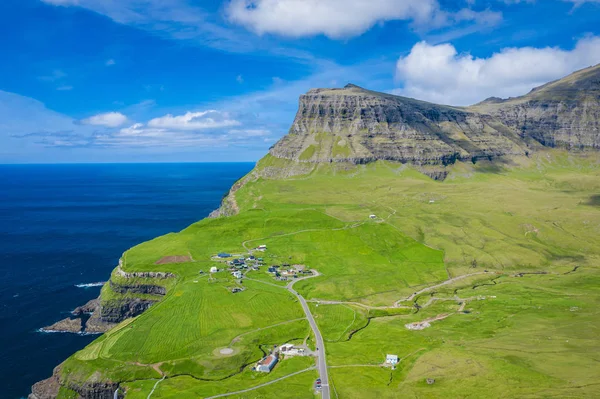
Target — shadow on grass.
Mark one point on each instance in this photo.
(594, 200)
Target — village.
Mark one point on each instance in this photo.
(239, 264)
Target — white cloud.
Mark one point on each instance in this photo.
(440, 74)
(109, 119)
(249, 132)
(344, 18)
(239, 79)
(61, 2)
(56, 74)
(194, 121)
(64, 88)
(110, 62)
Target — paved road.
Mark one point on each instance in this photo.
(321, 360)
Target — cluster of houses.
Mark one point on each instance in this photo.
(287, 271)
(266, 364)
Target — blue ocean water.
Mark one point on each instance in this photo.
(66, 225)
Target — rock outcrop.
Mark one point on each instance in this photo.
(65, 325)
(49, 388)
(115, 311)
(359, 126)
(564, 113)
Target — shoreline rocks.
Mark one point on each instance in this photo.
(66, 325)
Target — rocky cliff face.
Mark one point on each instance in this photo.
(357, 125)
(564, 113)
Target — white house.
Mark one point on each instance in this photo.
(214, 269)
(391, 359)
(373, 216)
(237, 274)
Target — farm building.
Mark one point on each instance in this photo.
(261, 248)
(224, 255)
(267, 363)
(373, 216)
(391, 359)
(214, 269)
(286, 347)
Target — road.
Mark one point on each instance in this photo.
(321, 360)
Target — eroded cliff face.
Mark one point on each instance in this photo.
(359, 126)
(564, 113)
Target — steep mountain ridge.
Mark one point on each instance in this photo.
(356, 125)
(564, 113)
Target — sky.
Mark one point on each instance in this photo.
(219, 80)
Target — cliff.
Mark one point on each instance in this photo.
(359, 126)
(564, 113)
(356, 125)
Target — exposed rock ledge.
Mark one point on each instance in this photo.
(65, 325)
(49, 389)
(159, 275)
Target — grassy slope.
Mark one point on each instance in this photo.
(539, 216)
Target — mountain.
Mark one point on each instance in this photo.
(356, 125)
(564, 113)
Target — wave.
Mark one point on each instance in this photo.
(88, 285)
(43, 331)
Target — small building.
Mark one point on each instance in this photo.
(237, 274)
(224, 255)
(272, 269)
(286, 348)
(267, 363)
(391, 359)
(261, 248)
(214, 269)
(373, 216)
(235, 290)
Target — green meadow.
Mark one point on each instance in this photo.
(499, 334)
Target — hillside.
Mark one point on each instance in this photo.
(485, 284)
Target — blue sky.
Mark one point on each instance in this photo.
(215, 80)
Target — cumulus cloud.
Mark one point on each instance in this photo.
(109, 119)
(343, 18)
(110, 62)
(194, 121)
(440, 74)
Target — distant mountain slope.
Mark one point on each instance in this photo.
(563, 113)
(359, 126)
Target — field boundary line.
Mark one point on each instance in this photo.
(234, 340)
(261, 385)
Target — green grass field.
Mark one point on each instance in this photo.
(530, 336)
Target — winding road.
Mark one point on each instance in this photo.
(321, 359)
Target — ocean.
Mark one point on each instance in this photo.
(64, 227)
